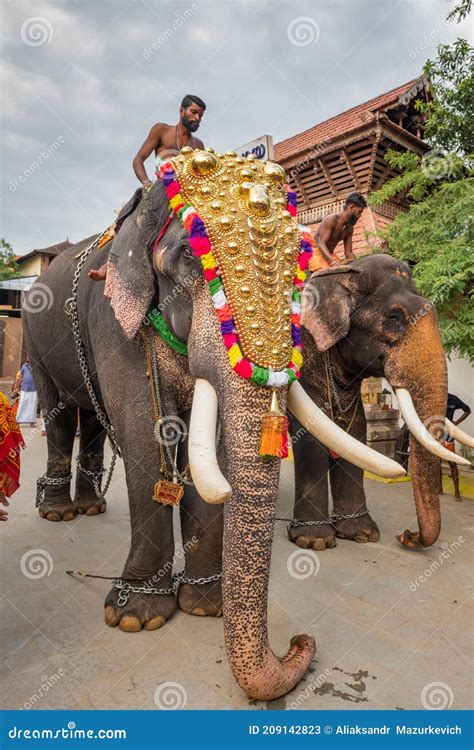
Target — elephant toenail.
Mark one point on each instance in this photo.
(154, 623)
(130, 624)
(199, 612)
(110, 617)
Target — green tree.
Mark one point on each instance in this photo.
(435, 236)
(8, 265)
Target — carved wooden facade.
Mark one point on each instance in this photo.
(347, 152)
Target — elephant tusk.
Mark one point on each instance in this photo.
(419, 431)
(207, 476)
(323, 429)
(462, 437)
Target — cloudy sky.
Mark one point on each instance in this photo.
(84, 80)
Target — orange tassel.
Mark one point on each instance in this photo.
(274, 436)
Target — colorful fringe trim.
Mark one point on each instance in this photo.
(201, 246)
(156, 319)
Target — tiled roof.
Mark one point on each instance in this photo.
(343, 123)
(51, 250)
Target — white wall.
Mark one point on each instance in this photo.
(461, 383)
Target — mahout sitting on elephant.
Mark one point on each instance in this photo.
(361, 320)
(236, 308)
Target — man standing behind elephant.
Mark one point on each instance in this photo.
(333, 229)
(166, 141)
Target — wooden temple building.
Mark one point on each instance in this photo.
(345, 153)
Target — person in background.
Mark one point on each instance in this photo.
(454, 404)
(28, 404)
(166, 141)
(11, 442)
(334, 229)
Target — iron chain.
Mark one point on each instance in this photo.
(70, 308)
(126, 588)
(96, 476)
(46, 481)
(173, 462)
(340, 408)
(328, 521)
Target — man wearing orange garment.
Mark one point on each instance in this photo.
(333, 229)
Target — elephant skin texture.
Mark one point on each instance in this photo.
(238, 536)
(367, 319)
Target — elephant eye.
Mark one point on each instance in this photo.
(395, 319)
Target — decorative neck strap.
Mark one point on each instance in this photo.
(156, 319)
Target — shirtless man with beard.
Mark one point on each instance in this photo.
(166, 141)
(333, 229)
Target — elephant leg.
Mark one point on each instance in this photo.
(150, 560)
(91, 457)
(311, 492)
(60, 422)
(201, 529)
(347, 488)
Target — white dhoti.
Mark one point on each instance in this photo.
(27, 407)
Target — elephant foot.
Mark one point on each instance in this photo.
(90, 506)
(142, 611)
(202, 600)
(362, 529)
(319, 537)
(65, 511)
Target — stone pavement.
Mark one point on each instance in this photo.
(386, 638)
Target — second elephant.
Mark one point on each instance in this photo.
(367, 320)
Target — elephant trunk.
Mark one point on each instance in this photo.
(419, 366)
(249, 517)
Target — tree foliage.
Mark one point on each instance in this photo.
(435, 236)
(8, 265)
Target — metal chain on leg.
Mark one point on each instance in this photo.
(46, 481)
(70, 308)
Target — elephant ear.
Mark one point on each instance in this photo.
(130, 282)
(329, 299)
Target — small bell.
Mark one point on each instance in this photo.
(274, 436)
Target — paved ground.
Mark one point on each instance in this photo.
(385, 638)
